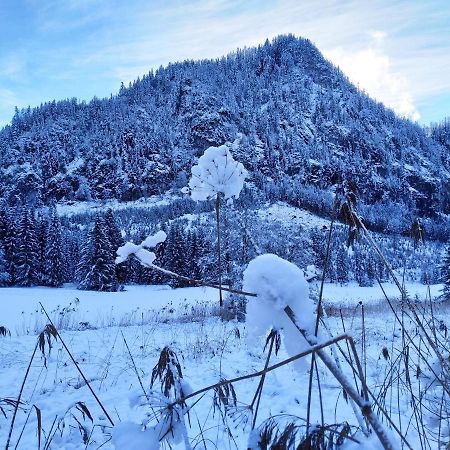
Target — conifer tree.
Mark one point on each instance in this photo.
(4, 274)
(445, 272)
(41, 225)
(97, 270)
(174, 254)
(27, 256)
(85, 258)
(116, 240)
(342, 266)
(54, 268)
(5, 277)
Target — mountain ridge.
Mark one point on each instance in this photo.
(299, 121)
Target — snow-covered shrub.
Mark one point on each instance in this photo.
(278, 283)
(216, 173)
(164, 419)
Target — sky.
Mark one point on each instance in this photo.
(398, 52)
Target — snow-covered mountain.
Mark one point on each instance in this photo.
(299, 122)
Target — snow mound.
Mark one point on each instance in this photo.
(216, 172)
(278, 283)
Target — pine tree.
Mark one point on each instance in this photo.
(4, 274)
(10, 244)
(41, 225)
(174, 254)
(342, 266)
(85, 258)
(54, 268)
(445, 272)
(5, 277)
(27, 259)
(195, 254)
(161, 260)
(115, 240)
(97, 270)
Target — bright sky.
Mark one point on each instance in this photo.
(397, 51)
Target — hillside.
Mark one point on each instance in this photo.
(299, 122)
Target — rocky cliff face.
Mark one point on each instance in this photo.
(299, 121)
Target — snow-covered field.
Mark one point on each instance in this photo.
(95, 328)
(73, 308)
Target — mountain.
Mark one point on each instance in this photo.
(299, 122)
(440, 132)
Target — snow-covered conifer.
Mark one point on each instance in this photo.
(97, 268)
(445, 271)
(27, 256)
(4, 274)
(54, 266)
(115, 238)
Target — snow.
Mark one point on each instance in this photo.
(216, 172)
(73, 208)
(208, 348)
(75, 309)
(130, 436)
(365, 443)
(153, 241)
(125, 251)
(140, 251)
(145, 257)
(278, 283)
(350, 294)
(291, 217)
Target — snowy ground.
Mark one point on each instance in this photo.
(350, 294)
(208, 349)
(72, 208)
(71, 308)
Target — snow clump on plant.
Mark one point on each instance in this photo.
(216, 173)
(278, 283)
(145, 256)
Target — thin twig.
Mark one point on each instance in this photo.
(16, 406)
(78, 368)
(312, 349)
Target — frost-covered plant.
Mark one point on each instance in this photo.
(44, 345)
(286, 432)
(216, 175)
(4, 331)
(282, 288)
(164, 420)
(73, 428)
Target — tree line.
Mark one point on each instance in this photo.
(37, 247)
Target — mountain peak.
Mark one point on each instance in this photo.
(299, 119)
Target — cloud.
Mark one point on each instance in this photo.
(371, 69)
(396, 51)
(12, 66)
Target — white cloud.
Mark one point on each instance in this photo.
(12, 66)
(372, 70)
(396, 51)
